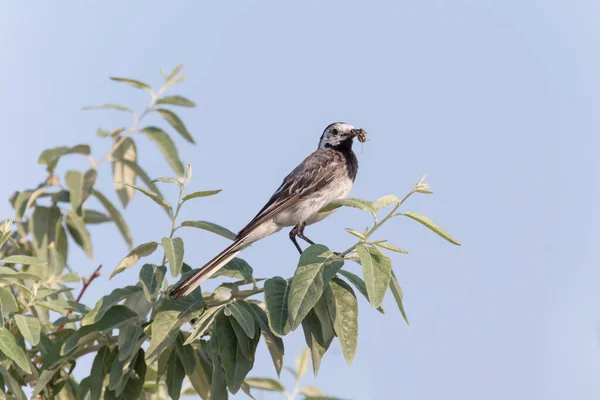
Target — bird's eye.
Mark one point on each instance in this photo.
(334, 131)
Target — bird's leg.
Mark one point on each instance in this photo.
(293, 234)
(301, 234)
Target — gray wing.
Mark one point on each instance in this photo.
(315, 172)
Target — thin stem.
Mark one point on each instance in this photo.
(86, 283)
(378, 224)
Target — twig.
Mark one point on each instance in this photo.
(86, 283)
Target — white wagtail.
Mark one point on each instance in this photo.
(324, 176)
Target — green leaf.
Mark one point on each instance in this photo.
(385, 201)
(98, 373)
(276, 298)
(317, 350)
(376, 268)
(9, 303)
(203, 193)
(236, 268)
(431, 225)
(10, 274)
(132, 82)
(166, 147)
(27, 260)
(174, 73)
(122, 172)
(44, 379)
(92, 217)
(140, 173)
(176, 101)
(357, 234)
(133, 387)
(50, 157)
(116, 217)
(199, 378)
(43, 225)
(29, 327)
(244, 318)
(168, 179)
(235, 363)
(174, 251)
(143, 250)
(131, 338)
(175, 376)
(364, 205)
(152, 277)
(155, 197)
(108, 107)
(80, 186)
(175, 122)
(390, 247)
(218, 385)
(80, 234)
(397, 292)
(203, 323)
(271, 385)
(211, 227)
(358, 284)
(10, 348)
(107, 302)
(117, 316)
(274, 343)
(311, 392)
(12, 384)
(343, 310)
(302, 363)
(314, 269)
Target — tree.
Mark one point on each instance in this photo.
(146, 344)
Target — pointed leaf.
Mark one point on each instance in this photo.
(376, 268)
(80, 234)
(176, 101)
(175, 122)
(359, 284)
(115, 216)
(397, 292)
(302, 363)
(175, 376)
(211, 227)
(108, 107)
(385, 201)
(92, 217)
(140, 173)
(390, 247)
(350, 202)
(203, 323)
(236, 365)
(22, 260)
(236, 268)
(343, 310)
(134, 256)
(244, 318)
(10, 348)
(155, 197)
(122, 172)
(314, 269)
(107, 302)
(29, 327)
(274, 343)
(174, 251)
(276, 299)
(98, 373)
(357, 234)
(201, 194)
(152, 277)
(268, 384)
(132, 82)
(432, 225)
(166, 147)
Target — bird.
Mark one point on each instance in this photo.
(324, 176)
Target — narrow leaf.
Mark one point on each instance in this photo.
(176, 101)
(80, 234)
(244, 318)
(152, 277)
(432, 225)
(343, 310)
(376, 268)
(268, 384)
(398, 294)
(358, 284)
(390, 247)
(203, 323)
(22, 260)
(211, 227)
(276, 299)
(175, 376)
(10, 348)
(132, 82)
(385, 201)
(350, 202)
(355, 233)
(166, 147)
(115, 216)
(122, 172)
(201, 194)
(302, 363)
(107, 302)
(108, 107)
(140, 173)
(92, 217)
(174, 251)
(134, 256)
(155, 197)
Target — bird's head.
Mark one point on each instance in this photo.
(341, 135)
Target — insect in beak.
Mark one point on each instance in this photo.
(361, 135)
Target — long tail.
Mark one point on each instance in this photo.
(208, 270)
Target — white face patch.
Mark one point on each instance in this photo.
(335, 134)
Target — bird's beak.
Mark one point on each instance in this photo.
(360, 134)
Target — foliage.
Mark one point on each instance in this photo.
(146, 344)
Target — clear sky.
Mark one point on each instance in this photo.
(497, 101)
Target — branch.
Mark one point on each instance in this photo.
(86, 283)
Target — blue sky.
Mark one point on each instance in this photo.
(497, 101)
